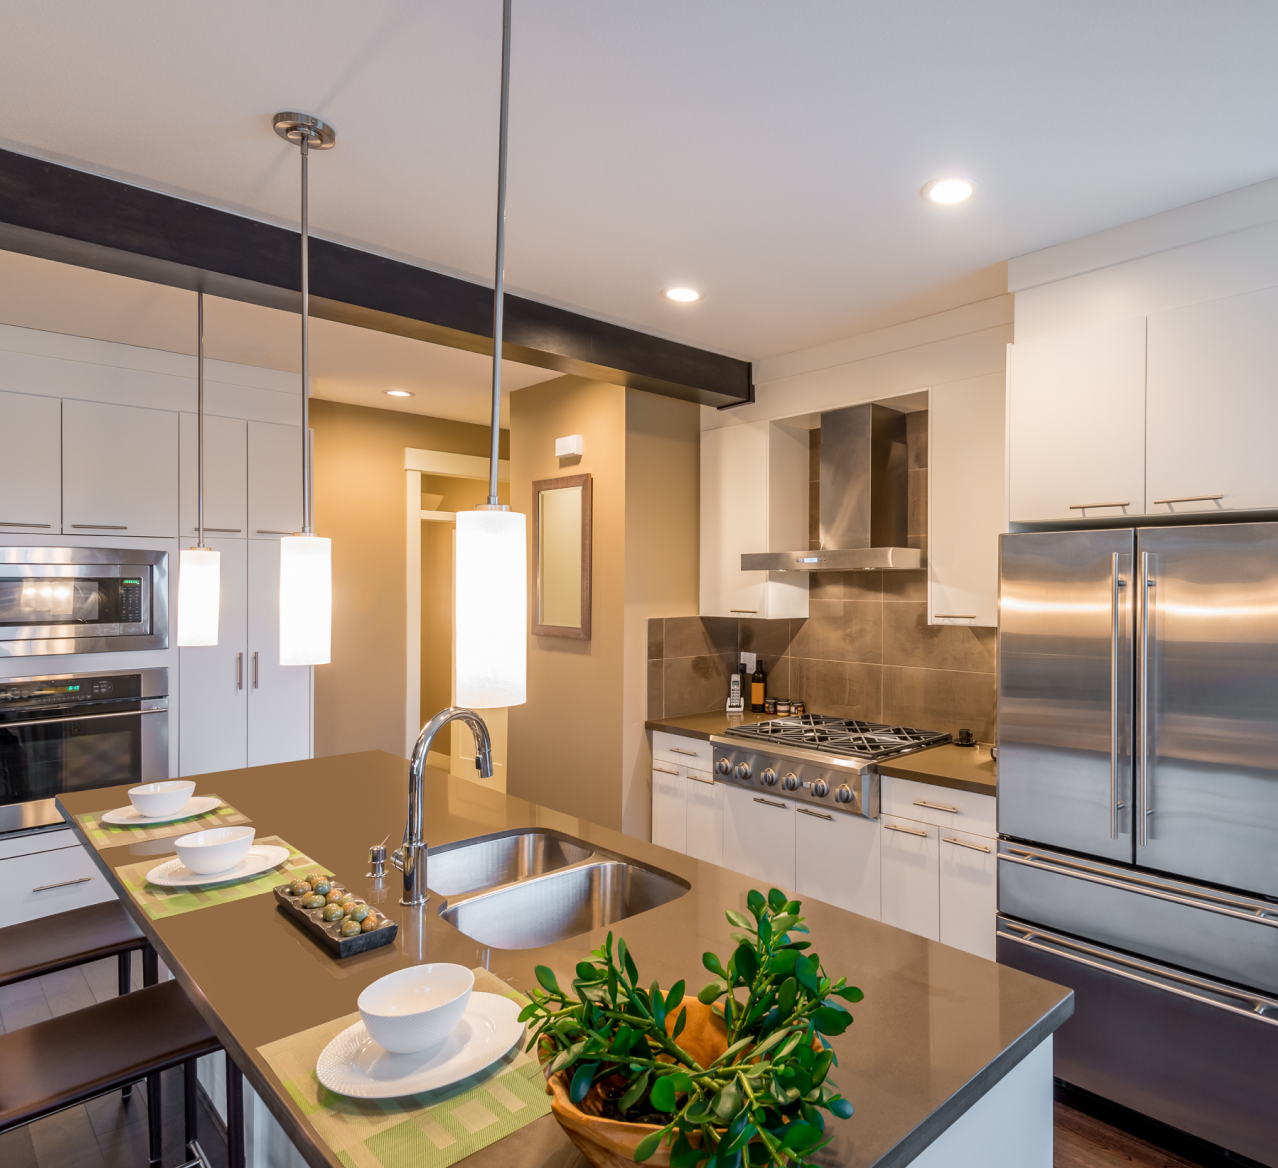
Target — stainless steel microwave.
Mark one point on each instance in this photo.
(82, 600)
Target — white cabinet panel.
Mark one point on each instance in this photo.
(119, 470)
(1076, 423)
(669, 808)
(40, 884)
(705, 817)
(1213, 405)
(274, 479)
(279, 705)
(679, 750)
(754, 498)
(942, 806)
(758, 837)
(967, 506)
(837, 860)
(30, 464)
(910, 863)
(225, 476)
(213, 710)
(968, 893)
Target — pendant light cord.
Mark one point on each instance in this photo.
(306, 321)
(199, 425)
(499, 281)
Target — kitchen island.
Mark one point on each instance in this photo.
(948, 1062)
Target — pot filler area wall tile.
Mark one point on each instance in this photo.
(865, 651)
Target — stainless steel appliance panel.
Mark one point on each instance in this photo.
(1193, 1054)
(1207, 685)
(1216, 933)
(1065, 690)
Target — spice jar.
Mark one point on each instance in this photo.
(770, 705)
(798, 708)
(783, 707)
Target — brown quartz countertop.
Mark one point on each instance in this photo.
(965, 768)
(938, 1027)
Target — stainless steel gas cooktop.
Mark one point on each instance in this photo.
(838, 736)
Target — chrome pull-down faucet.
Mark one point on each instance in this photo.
(411, 859)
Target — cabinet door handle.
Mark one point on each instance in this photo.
(255, 669)
(680, 750)
(100, 526)
(236, 530)
(816, 814)
(239, 670)
(975, 847)
(15, 523)
(264, 531)
(699, 779)
(770, 803)
(954, 615)
(936, 806)
(907, 830)
(63, 884)
(1190, 499)
(749, 611)
(664, 771)
(1087, 506)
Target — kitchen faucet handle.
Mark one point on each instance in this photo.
(397, 858)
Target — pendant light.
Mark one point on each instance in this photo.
(491, 574)
(199, 568)
(306, 560)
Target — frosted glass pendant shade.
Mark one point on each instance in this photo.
(306, 600)
(199, 596)
(491, 590)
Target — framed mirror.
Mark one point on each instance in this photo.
(561, 557)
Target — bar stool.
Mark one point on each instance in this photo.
(64, 1061)
(71, 938)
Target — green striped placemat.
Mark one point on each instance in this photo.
(430, 1130)
(112, 835)
(170, 902)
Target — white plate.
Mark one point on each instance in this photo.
(259, 858)
(353, 1064)
(129, 817)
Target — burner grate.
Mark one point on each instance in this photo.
(845, 736)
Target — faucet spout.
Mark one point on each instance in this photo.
(413, 862)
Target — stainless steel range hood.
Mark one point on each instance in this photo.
(864, 498)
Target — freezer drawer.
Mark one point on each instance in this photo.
(1194, 1054)
(1219, 934)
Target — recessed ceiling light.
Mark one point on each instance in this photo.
(948, 190)
(682, 295)
(398, 393)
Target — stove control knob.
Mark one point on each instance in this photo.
(790, 782)
(742, 771)
(820, 788)
(723, 766)
(770, 777)
(844, 794)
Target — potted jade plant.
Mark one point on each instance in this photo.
(736, 1076)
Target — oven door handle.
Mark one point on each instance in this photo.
(84, 717)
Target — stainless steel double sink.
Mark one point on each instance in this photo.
(526, 888)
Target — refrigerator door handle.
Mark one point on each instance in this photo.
(1171, 981)
(1116, 623)
(1143, 809)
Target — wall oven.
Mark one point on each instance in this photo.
(82, 600)
(77, 731)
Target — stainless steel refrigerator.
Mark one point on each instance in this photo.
(1138, 810)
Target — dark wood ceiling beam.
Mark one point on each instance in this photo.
(74, 217)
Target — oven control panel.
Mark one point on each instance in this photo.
(819, 784)
(39, 692)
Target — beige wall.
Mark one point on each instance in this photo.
(359, 504)
(577, 744)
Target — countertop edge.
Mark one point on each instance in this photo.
(682, 731)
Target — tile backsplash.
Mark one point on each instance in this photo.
(864, 651)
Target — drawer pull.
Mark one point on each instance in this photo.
(954, 615)
(907, 830)
(100, 526)
(699, 779)
(1088, 506)
(1189, 499)
(680, 750)
(236, 530)
(664, 771)
(816, 814)
(15, 523)
(267, 531)
(975, 847)
(770, 803)
(62, 884)
(750, 611)
(936, 806)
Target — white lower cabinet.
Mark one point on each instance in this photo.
(46, 873)
(669, 808)
(968, 892)
(758, 836)
(704, 818)
(911, 876)
(837, 860)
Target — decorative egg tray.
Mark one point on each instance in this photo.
(328, 932)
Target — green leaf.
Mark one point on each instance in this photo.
(546, 976)
(850, 994)
(586, 971)
(777, 900)
(831, 1020)
(782, 962)
(784, 923)
(773, 1039)
(787, 996)
(624, 1040)
(680, 1022)
(528, 1011)
(658, 1006)
(648, 1145)
(728, 1101)
(633, 1093)
(675, 996)
(726, 1057)
(754, 899)
(566, 1058)
(711, 993)
(841, 1107)
(739, 919)
(799, 1137)
(683, 1154)
(663, 1093)
(806, 971)
(821, 1066)
(712, 963)
(581, 1081)
(743, 1137)
(747, 962)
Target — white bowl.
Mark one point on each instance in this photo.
(413, 1009)
(215, 849)
(155, 799)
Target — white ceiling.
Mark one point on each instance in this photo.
(768, 153)
(348, 364)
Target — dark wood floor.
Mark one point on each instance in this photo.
(1083, 1141)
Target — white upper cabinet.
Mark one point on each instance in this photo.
(754, 498)
(119, 470)
(274, 479)
(225, 476)
(1076, 423)
(279, 696)
(1213, 405)
(966, 508)
(30, 464)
